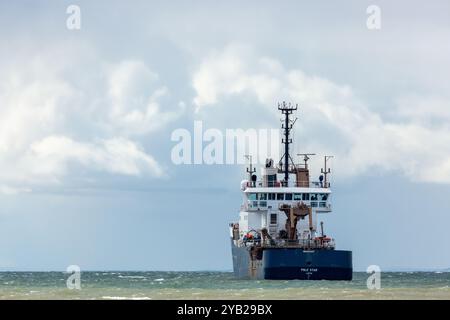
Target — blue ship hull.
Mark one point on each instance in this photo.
(292, 263)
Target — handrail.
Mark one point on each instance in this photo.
(308, 244)
(256, 204)
(279, 184)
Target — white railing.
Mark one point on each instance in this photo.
(306, 244)
(291, 184)
(265, 204)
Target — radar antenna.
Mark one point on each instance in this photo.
(306, 157)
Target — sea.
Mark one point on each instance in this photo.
(117, 285)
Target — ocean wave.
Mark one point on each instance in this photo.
(125, 298)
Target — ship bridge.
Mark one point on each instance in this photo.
(260, 198)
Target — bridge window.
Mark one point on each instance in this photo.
(324, 196)
(263, 203)
(288, 196)
(280, 196)
(297, 196)
(252, 196)
(273, 218)
(253, 204)
(305, 196)
(263, 196)
(314, 197)
(271, 180)
(271, 196)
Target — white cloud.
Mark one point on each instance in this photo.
(51, 123)
(133, 92)
(333, 119)
(8, 190)
(430, 110)
(235, 71)
(52, 156)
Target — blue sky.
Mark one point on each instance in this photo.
(86, 118)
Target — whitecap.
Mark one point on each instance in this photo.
(132, 277)
(114, 298)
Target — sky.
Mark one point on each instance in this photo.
(87, 116)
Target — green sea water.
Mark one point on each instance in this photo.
(217, 285)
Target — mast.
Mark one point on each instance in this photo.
(250, 171)
(287, 110)
(326, 171)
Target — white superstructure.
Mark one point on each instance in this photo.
(283, 207)
(262, 201)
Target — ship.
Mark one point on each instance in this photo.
(277, 236)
